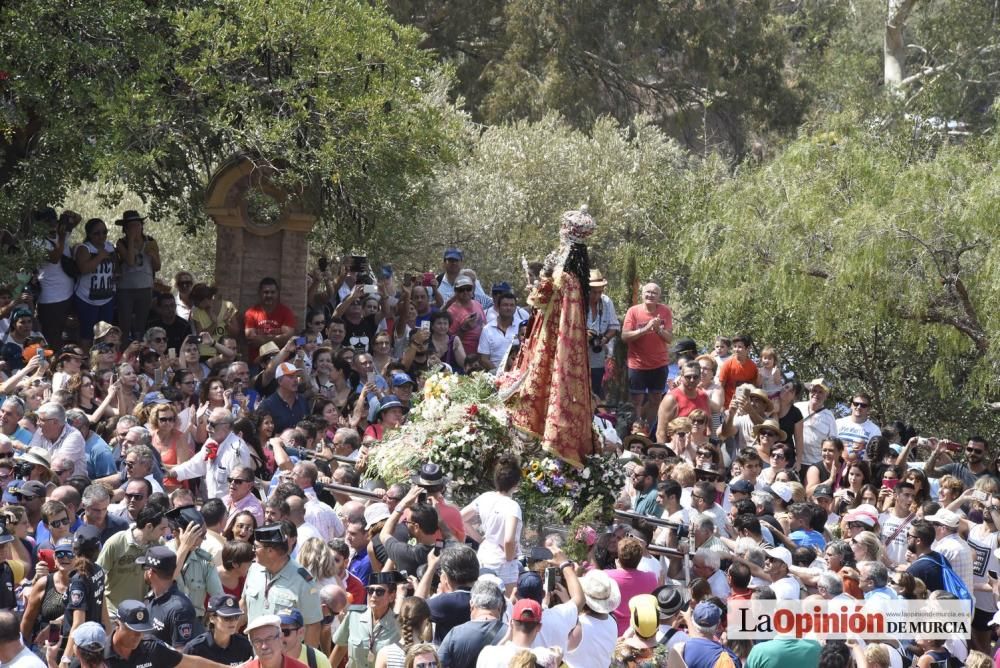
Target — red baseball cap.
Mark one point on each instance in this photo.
(527, 610)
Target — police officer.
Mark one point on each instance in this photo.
(368, 628)
(277, 582)
(174, 619)
(130, 648)
(222, 643)
(199, 578)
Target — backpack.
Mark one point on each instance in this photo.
(952, 583)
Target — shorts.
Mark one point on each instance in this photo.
(981, 620)
(508, 571)
(644, 381)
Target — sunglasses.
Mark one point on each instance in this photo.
(168, 419)
(135, 497)
(974, 451)
(778, 455)
(464, 289)
(691, 377)
(855, 525)
(288, 632)
(706, 453)
(58, 524)
(859, 404)
(64, 554)
(771, 434)
(238, 480)
(699, 421)
(377, 591)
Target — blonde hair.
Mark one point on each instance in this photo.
(413, 617)
(768, 351)
(523, 659)
(423, 648)
(710, 360)
(873, 546)
(977, 659)
(679, 424)
(316, 557)
(877, 654)
(952, 483)
(683, 473)
(798, 491)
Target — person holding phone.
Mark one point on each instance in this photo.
(268, 321)
(974, 467)
(896, 521)
(45, 600)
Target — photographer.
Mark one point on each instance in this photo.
(55, 300)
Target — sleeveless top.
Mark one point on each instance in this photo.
(237, 591)
(52, 602)
(449, 355)
(98, 287)
(140, 275)
(685, 405)
(395, 657)
(168, 455)
(702, 653)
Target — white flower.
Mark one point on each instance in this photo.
(585, 474)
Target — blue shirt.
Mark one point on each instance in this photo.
(100, 461)
(284, 416)
(22, 435)
(808, 538)
(43, 537)
(361, 567)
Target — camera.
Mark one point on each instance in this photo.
(23, 470)
(359, 265)
(323, 263)
(596, 343)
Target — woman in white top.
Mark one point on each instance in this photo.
(500, 522)
(140, 258)
(95, 288)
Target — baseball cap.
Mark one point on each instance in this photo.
(389, 401)
(401, 378)
(529, 585)
(87, 538)
(31, 488)
(464, 281)
(782, 490)
(10, 492)
(90, 636)
(742, 487)
(503, 287)
(822, 491)
(780, 553)
(708, 614)
(375, 513)
(527, 610)
(134, 615)
(63, 546)
(454, 254)
(262, 622)
(944, 517)
(225, 605)
(154, 399)
(285, 369)
(292, 617)
(160, 558)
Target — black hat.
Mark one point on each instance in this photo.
(539, 553)
(225, 605)
(430, 475)
(135, 616)
(185, 515)
(742, 486)
(684, 345)
(45, 215)
(822, 490)
(159, 558)
(272, 534)
(87, 538)
(669, 600)
(129, 216)
(385, 578)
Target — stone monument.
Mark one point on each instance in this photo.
(261, 230)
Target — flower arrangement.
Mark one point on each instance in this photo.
(461, 424)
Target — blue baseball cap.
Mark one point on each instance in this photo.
(401, 378)
(292, 617)
(502, 287)
(154, 398)
(454, 254)
(529, 585)
(389, 401)
(8, 493)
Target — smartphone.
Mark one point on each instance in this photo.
(323, 263)
(191, 338)
(890, 483)
(172, 353)
(438, 546)
(40, 353)
(550, 579)
(952, 446)
(370, 289)
(428, 278)
(370, 379)
(426, 325)
(979, 495)
(55, 634)
(300, 340)
(422, 498)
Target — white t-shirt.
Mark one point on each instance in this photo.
(850, 431)
(557, 622)
(55, 285)
(499, 656)
(25, 659)
(896, 551)
(816, 428)
(493, 509)
(786, 589)
(596, 644)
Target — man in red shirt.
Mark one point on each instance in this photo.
(738, 369)
(467, 317)
(265, 635)
(681, 401)
(269, 320)
(648, 331)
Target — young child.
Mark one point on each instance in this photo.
(769, 377)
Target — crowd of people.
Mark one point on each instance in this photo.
(185, 483)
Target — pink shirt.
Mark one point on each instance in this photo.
(469, 337)
(248, 503)
(631, 582)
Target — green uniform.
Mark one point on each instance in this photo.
(199, 579)
(291, 587)
(117, 558)
(362, 641)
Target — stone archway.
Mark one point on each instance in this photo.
(261, 230)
